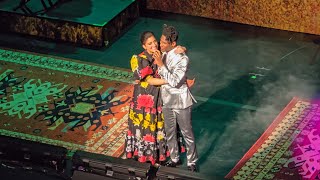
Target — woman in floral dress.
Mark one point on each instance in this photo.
(145, 139)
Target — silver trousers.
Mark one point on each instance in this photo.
(182, 117)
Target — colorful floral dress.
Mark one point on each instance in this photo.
(145, 139)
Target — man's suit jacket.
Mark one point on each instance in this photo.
(176, 93)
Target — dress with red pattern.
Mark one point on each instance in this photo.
(145, 139)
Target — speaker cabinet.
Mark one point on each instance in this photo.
(111, 167)
(169, 173)
(80, 175)
(33, 156)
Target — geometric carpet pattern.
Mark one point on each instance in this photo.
(64, 102)
(288, 149)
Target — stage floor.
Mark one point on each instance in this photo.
(245, 76)
(93, 12)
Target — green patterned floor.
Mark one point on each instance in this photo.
(62, 64)
(63, 102)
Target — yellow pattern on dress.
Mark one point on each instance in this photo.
(160, 135)
(152, 127)
(134, 63)
(160, 124)
(143, 56)
(131, 114)
(146, 124)
(145, 121)
(135, 121)
(140, 116)
(148, 117)
(144, 84)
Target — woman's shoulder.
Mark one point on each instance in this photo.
(138, 60)
(139, 57)
(142, 55)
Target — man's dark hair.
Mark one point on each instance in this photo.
(144, 36)
(170, 33)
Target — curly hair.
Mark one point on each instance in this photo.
(170, 33)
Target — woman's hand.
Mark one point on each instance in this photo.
(180, 49)
(157, 58)
(190, 82)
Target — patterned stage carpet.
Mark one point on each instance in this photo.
(64, 102)
(288, 150)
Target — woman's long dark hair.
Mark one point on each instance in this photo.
(144, 36)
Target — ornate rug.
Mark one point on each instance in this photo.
(63, 102)
(288, 150)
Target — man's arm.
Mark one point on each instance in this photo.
(156, 81)
(177, 74)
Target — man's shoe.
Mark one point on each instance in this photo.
(193, 168)
(171, 163)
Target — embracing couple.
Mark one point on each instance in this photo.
(160, 111)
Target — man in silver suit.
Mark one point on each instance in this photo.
(177, 98)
